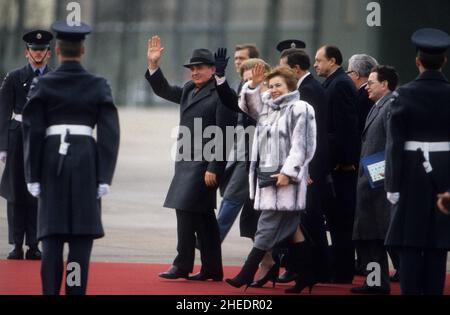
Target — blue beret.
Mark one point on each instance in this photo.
(38, 39)
(431, 40)
(290, 43)
(71, 33)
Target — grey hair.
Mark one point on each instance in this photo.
(362, 64)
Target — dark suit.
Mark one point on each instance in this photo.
(421, 232)
(313, 217)
(69, 210)
(344, 150)
(188, 193)
(249, 217)
(363, 105)
(22, 207)
(373, 210)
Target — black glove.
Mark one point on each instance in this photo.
(221, 61)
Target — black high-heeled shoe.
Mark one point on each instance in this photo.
(271, 275)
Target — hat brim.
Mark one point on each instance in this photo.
(188, 65)
(38, 46)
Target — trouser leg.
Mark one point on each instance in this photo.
(10, 218)
(210, 246)
(52, 265)
(19, 223)
(435, 271)
(186, 241)
(31, 226)
(80, 248)
(411, 271)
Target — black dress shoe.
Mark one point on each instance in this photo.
(395, 277)
(174, 273)
(33, 254)
(16, 253)
(205, 276)
(364, 289)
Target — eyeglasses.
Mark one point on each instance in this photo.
(348, 72)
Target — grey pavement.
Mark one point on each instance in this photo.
(137, 227)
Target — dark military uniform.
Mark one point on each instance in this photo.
(418, 167)
(64, 107)
(22, 207)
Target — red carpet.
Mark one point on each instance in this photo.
(23, 278)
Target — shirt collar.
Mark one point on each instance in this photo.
(302, 79)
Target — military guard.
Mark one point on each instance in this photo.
(418, 168)
(65, 167)
(21, 206)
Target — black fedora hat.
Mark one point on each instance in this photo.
(200, 56)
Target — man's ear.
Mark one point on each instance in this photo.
(418, 63)
(58, 51)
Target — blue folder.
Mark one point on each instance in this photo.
(373, 165)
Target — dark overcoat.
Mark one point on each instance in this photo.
(13, 96)
(420, 113)
(342, 119)
(198, 111)
(68, 203)
(373, 210)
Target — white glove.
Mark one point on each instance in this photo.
(393, 197)
(34, 189)
(3, 155)
(102, 190)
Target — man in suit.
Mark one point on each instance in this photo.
(65, 167)
(313, 218)
(344, 154)
(234, 182)
(418, 168)
(373, 210)
(359, 67)
(193, 189)
(21, 206)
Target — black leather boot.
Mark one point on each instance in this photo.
(302, 256)
(245, 276)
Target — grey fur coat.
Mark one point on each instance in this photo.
(285, 137)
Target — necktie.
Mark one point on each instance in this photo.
(37, 72)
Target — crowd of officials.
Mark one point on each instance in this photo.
(355, 156)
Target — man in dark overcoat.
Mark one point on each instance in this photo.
(312, 219)
(193, 188)
(373, 210)
(21, 206)
(65, 167)
(344, 155)
(418, 168)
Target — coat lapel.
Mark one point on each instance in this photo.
(375, 110)
(204, 92)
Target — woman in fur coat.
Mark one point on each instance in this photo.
(283, 145)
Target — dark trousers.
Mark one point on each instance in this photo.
(375, 251)
(422, 271)
(340, 216)
(204, 225)
(313, 224)
(24, 223)
(10, 218)
(80, 248)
